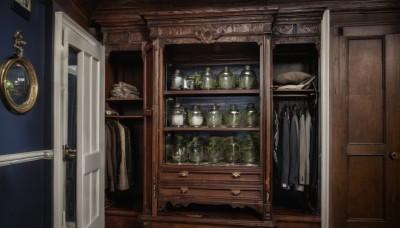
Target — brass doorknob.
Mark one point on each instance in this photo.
(395, 155)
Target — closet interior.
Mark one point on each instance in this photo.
(294, 131)
(125, 144)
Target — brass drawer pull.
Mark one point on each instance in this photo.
(184, 190)
(235, 192)
(236, 174)
(184, 173)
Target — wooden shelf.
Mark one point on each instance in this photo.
(125, 117)
(187, 128)
(213, 92)
(124, 99)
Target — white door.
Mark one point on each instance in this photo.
(78, 126)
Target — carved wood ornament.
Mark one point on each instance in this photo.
(208, 33)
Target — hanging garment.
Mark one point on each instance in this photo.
(123, 182)
(302, 152)
(285, 148)
(308, 127)
(276, 139)
(109, 179)
(128, 151)
(294, 148)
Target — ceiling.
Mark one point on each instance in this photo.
(107, 12)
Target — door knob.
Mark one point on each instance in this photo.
(68, 153)
(395, 155)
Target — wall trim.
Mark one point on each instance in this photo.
(17, 158)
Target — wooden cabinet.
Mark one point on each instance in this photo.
(219, 39)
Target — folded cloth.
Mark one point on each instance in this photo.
(303, 85)
(110, 111)
(124, 90)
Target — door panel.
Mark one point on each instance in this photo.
(365, 123)
(71, 40)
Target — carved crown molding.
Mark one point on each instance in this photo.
(297, 40)
(296, 29)
(208, 33)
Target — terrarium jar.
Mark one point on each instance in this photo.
(250, 116)
(195, 116)
(176, 80)
(214, 150)
(248, 150)
(214, 117)
(196, 150)
(177, 116)
(225, 79)
(232, 150)
(247, 78)
(207, 79)
(232, 116)
(179, 152)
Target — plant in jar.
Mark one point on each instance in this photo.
(214, 116)
(247, 78)
(232, 150)
(215, 149)
(248, 149)
(178, 151)
(226, 79)
(196, 150)
(232, 116)
(250, 116)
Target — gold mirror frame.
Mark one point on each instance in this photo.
(6, 72)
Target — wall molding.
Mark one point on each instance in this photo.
(17, 158)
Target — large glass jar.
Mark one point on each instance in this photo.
(248, 150)
(250, 116)
(226, 79)
(247, 78)
(196, 150)
(177, 117)
(214, 117)
(232, 116)
(179, 152)
(195, 117)
(176, 81)
(232, 150)
(214, 149)
(208, 79)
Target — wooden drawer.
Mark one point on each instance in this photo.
(236, 175)
(234, 195)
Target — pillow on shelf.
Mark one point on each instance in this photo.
(293, 78)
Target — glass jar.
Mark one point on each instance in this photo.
(196, 152)
(214, 117)
(207, 79)
(232, 116)
(250, 116)
(248, 150)
(232, 150)
(176, 80)
(247, 78)
(177, 116)
(195, 116)
(188, 82)
(225, 79)
(214, 150)
(179, 152)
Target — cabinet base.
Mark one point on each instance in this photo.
(171, 221)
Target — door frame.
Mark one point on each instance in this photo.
(60, 69)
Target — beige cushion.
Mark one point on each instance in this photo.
(292, 77)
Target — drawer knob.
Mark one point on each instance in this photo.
(184, 173)
(235, 192)
(236, 174)
(184, 190)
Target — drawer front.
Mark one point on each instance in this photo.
(236, 193)
(234, 175)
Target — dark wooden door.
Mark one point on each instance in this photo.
(365, 104)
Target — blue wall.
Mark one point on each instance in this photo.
(25, 189)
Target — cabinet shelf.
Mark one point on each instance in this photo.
(125, 117)
(212, 92)
(124, 99)
(187, 128)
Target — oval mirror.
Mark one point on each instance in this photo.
(18, 84)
